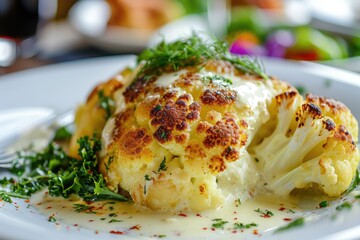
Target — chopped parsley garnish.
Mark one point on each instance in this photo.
(160, 236)
(296, 223)
(147, 177)
(107, 165)
(218, 80)
(115, 220)
(162, 166)
(237, 202)
(163, 135)
(190, 52)
(61, 174)
(302, 90)
(158, 107)
(323, 204)
(83, 208)
(345, 205)
(5, 197)
(355, 182)
(51, 219)
(106, 103)
(219, 223)
(62, 134)
(244, 226)
(265, 214)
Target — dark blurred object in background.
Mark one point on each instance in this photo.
(20, 21)
(18, 18)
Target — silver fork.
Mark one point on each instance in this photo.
(50, 125)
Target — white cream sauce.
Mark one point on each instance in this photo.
(168, 79)
(128, 219)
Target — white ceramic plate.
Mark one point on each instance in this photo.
(63, 86)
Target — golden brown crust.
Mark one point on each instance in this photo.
(218, 97)
(230, 154)
(343, 135)
(120, 120)
(194, 151)
(323, 102)
(217, 164)
(223, 133)
(108, 87)
(137, 88)
(188, 79)
(286, 96)
(174, 115)
(134, 141)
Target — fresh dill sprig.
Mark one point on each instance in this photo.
(190, 52)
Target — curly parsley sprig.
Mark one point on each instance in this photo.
(61, 174)
(190, 52)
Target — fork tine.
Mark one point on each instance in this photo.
(5, 165)
(6, 160)
(6, 155)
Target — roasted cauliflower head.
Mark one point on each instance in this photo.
(183, 134)
(192, 127)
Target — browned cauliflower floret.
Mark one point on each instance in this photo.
(309, 148)
(91, 117)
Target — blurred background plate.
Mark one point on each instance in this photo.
(90, 18)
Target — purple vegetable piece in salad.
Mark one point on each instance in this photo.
(277, 43)
(245, 48)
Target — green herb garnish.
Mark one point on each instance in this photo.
(266, 213)
(244, 226)
(296, 223)
(218, 80)
(83, 208)
(61, 174)
(323, 204)
(115, 220)
(51, 219)
(106, 103)
(345, 205)
(302, 90)
(62, 134)
(190, 52)
(158, 107)
(5, 197)
(162, 166)
(219, 223)
(355, 182)
(161, 236)
(107, 165)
